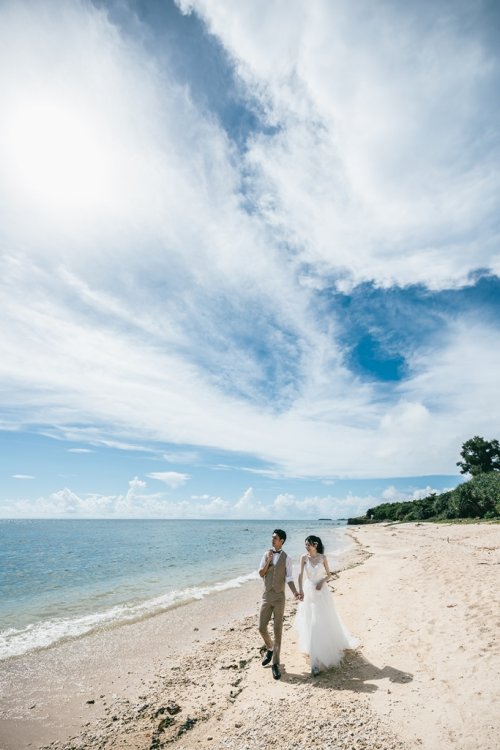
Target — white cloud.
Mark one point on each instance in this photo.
(336, 426)
(370, 174)
(392, 495)
(80, 450)
(173, 479)
(134, 504)
(181, 457)
(456, 384)
(22, 476)
(288, 506)
(249, 506)
(137, 503)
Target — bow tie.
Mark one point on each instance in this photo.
(277, 552)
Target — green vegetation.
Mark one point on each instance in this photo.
(480, 456)
(477, 498)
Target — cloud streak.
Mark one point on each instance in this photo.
(173, 479)
(384, 165)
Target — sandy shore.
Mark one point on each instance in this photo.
(422, 598)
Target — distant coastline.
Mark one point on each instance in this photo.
(478, 499)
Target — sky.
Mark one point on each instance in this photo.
(249, 254)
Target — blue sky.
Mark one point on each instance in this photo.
(249, 254)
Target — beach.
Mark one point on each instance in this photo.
(422, 598)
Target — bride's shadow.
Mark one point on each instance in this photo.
(355, 673)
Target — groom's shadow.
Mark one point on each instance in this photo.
(355, 673)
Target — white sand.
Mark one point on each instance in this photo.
(427, 602)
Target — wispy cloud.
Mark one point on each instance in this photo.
(383, 165)
(181, 457)
(173, 479)
(22, 476)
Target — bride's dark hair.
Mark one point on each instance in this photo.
(317, 543)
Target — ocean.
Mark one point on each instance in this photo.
(63, 578)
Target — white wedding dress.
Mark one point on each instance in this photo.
(321, 633)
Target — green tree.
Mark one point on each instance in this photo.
(442, 507)
(480, 456)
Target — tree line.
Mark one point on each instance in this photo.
(477, 498)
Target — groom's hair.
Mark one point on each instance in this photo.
(280, 533)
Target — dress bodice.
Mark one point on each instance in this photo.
(315, 571)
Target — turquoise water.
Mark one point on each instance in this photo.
(63, 578)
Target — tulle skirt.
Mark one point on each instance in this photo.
(321, 633)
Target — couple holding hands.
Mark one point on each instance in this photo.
(321, 633)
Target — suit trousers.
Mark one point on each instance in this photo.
(272, 607)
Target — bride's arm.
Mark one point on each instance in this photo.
(328, 574)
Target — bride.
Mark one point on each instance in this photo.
(321, 632)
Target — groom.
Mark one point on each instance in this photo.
(276, 570)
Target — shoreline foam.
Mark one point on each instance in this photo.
(17, 642)
(47, 633)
